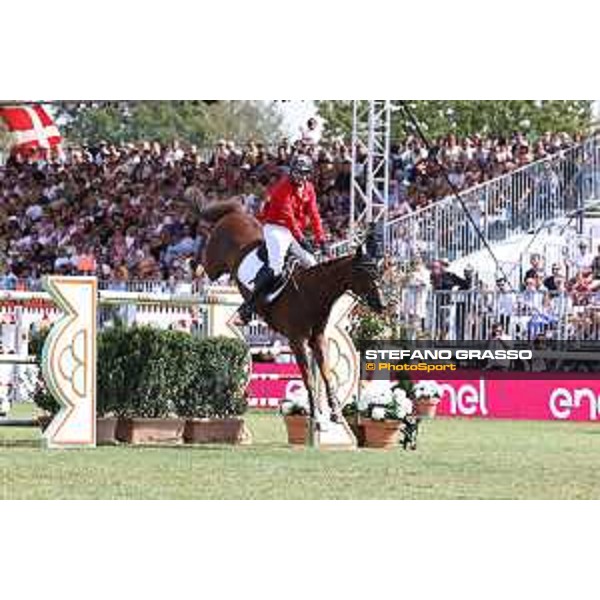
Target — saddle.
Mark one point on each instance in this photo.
(290, 265)
(255, 258)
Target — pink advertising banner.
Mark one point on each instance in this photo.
(541, 400)
(469, 395)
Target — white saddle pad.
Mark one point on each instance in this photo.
(247, 271)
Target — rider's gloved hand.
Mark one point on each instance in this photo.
(307, 245)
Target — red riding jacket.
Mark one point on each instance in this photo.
(288, 206)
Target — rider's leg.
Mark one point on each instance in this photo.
(277, 241)
(304, 256)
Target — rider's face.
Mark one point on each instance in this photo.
(299, 178)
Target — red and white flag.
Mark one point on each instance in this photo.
(31, 129)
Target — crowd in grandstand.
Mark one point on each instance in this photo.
(129, 212)
(560, 301)
(461, 163)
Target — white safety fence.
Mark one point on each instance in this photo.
(508, 206)
(554, 245)
(470, 315)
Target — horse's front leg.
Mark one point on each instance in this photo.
(318, 345)
(299, 349)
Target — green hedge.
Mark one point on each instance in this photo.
(148, 372)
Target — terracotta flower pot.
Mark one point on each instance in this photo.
(381, 434)
(106, 431)
(426, 407)
(356, 425)
(151, 431)
(229, 430)
(297, 429)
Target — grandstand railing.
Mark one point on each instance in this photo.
(155, 286)
(469, 315)
(502, 208)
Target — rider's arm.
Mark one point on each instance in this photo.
(287, 213)
(280, 196)
(315, 219)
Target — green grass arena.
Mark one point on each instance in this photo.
(456, 459)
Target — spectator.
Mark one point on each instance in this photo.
(442, 279)
(596, 268)
(310, 135)
(500, 340)
(550, 282)
(583, 260)
(506, 303)
(537, 265)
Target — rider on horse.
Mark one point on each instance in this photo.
(291, 206)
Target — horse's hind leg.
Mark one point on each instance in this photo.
(318, 345)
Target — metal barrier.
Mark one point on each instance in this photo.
(559, 247)
(504, 207)
(470, 315)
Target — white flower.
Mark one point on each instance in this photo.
(427, 389)
(404, 407)
(363, 403)
(379, 392)
(378, 413)
(296, 400)
(385, 399)
(398, 395)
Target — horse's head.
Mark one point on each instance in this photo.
(365, 281)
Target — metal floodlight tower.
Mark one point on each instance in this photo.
(369, 191)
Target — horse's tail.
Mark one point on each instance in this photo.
(217, 210)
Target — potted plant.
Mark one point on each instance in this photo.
(153, 372)
(112, 375)
(353, 418)
(427, 397)
(214, 397)
(295, 411)
(383, 411)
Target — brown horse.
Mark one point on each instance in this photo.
(302, 310)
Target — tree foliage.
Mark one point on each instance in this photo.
(468, 117)
(196, 122)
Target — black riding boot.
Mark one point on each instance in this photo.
(263, 284)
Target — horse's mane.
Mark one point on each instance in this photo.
(359, 264)
(217, 210)
(365, 264)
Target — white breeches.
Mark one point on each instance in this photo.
(279, 240)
